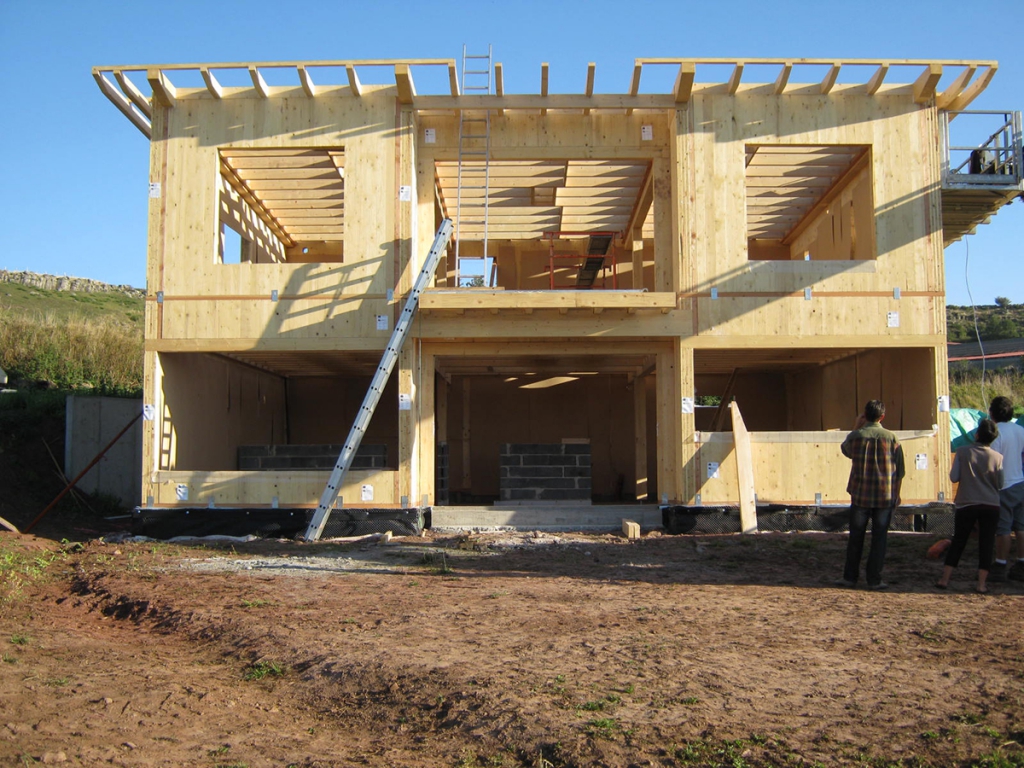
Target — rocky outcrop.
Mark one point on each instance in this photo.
(65, 283)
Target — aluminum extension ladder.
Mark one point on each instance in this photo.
(474, 157)
(380, 379)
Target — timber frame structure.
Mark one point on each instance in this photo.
(775, 229)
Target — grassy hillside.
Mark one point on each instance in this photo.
(994, 322)
(109, 306)
(70, 339)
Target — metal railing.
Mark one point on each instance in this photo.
(998, 161)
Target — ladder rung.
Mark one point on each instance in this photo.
(478, 56)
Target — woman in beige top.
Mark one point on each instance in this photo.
(979, 471)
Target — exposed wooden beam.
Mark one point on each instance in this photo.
(642, 206)
(830, 79)
(499, 82)
(684, 81)
(133, 93)
(307, 82)
(955, 88)
(924, 86)
(163, 90)
(634, 83)
(876, 79)
(121, 102)
(212, 84)
(734, 78)
(259, 83)
(783, 78)
(591, 69)
(971, 92)
(544, 83)
(353, 80)
(616, 101)
(406, 87)
(834, 191)
(453, 79)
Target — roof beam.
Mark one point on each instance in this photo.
(783, 78)
(971, 92)
(955, 88)
(259, 83)
(544, 83)
(634, 83)
(499, 82)
(406, 87)
(684, 81)
(924, 86)
(453, 79)
(876, 79)
(353, 80)
(163, 90)
(734, 78)
(133, 93)
(121, 102)
(591, 69)
(830, 79)
(827, 199)
(616, 101)
(307, 82)
(644, 199)
(212, 84)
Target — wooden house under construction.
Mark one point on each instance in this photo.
(624, 266)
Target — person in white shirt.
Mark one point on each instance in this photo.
(1010, 444)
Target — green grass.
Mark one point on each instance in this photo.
(103, 354)
(19, 569)
(263, 669)
(68, 305)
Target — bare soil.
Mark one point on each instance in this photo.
(504, 650)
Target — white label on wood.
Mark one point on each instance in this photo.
(405, 193)
(366, 493)
(382, 322)
(391, 295)
(154, 189)
(712, 470)
(429, 136)
(807, 294)
(647, 132)
(149, 412)
(404, 402)
(181, 492)
(943, 403)
(714, 294)
(893, 319)
(687, 405)
(921, 461)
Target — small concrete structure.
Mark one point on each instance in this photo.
(91, 423)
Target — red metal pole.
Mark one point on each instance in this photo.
(81, 474)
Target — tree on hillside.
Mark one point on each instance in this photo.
(1002, 302)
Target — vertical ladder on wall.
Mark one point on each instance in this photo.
(380, 379)
(474, 161)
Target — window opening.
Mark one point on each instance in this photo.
(809, 202)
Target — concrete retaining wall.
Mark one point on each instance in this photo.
(91, 423)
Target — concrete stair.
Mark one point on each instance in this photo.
(546, 517)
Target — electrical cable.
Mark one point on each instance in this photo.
(977, 333)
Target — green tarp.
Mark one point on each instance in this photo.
(963, 423)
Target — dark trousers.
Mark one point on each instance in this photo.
(963, 523)
(880, 518)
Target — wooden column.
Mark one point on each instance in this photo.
(640, 436)
(467, 475)
(408, 400)
(666, 271)
(426, 440)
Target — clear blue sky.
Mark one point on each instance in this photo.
(74, 171)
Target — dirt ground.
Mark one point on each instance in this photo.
(540, 650)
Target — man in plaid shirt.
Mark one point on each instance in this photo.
(874, 488)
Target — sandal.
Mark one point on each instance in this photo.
(940, 585)
(981, 591)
